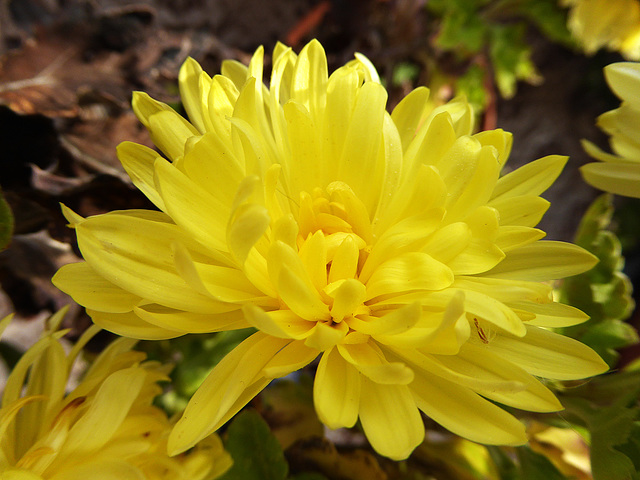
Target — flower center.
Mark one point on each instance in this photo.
(333, 242)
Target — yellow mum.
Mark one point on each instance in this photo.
(104, 428)
(385, 244)
(619, 173)
(614, 24)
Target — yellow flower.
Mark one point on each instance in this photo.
(105, 428)
(619, 173)
(614, 24)
(386, 244)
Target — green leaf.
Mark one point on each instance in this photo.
(404, 73)
(6, 223)
(548, 18)
(610, 427)
(256, 453)
(604, 292)
(462, 28)
(511, 58)
(471, 84)
(535, 466)
(507, 468)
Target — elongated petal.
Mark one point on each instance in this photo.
(279, 323)
(336, 391)
(92, 290)
(131, 325)
(531, 179)
(370, 361)
(618, 178)
(134, 254)
(553, 260)
(217, 398)
(411, 271)
(291, 358)
(547, 354)
(138, 162)
(390, 419)
(188, 322)
(479, 362)
(107, 411)
(198, 212)
(466, 413)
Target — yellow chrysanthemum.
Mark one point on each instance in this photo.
(614, 24)
(104, 428)
(619, 173)
(384, 243)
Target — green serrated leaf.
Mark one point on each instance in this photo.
(549, 18)
(603, 293)
(535, 466)
(256, 453)
(6, 223)
(609, 426)
(511, 58)
(471, 84)
(462, 30)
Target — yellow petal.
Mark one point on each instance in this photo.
(214, 166)
(190, 93)
(542, 261)
(555, 315)
(362, 142)
(229, 386)
(323, 336)
(278, 323)
(511, 237)
(408, 114)
(138, 162)
(618, 178)
(309, 81)
(291, 358)
(411, 271)
(398, 320)
(195, 210)
(479, 362)
(624, 78)
(94, 292)
(524, 211)
(107, 411)
(101, 470)
(336, 391)
(531, 179)
(466, 413)
(187, 322)
(136, 255)
(346, 298)
(131, 325)
(371, 362)
(547, 354)
(390, 419)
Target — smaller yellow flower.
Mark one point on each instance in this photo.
(619, 172)
(105, 428)
(614, 24)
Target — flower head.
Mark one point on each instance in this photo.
(106, 424)
(614, 24)
(619, 172)
(385, 244)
